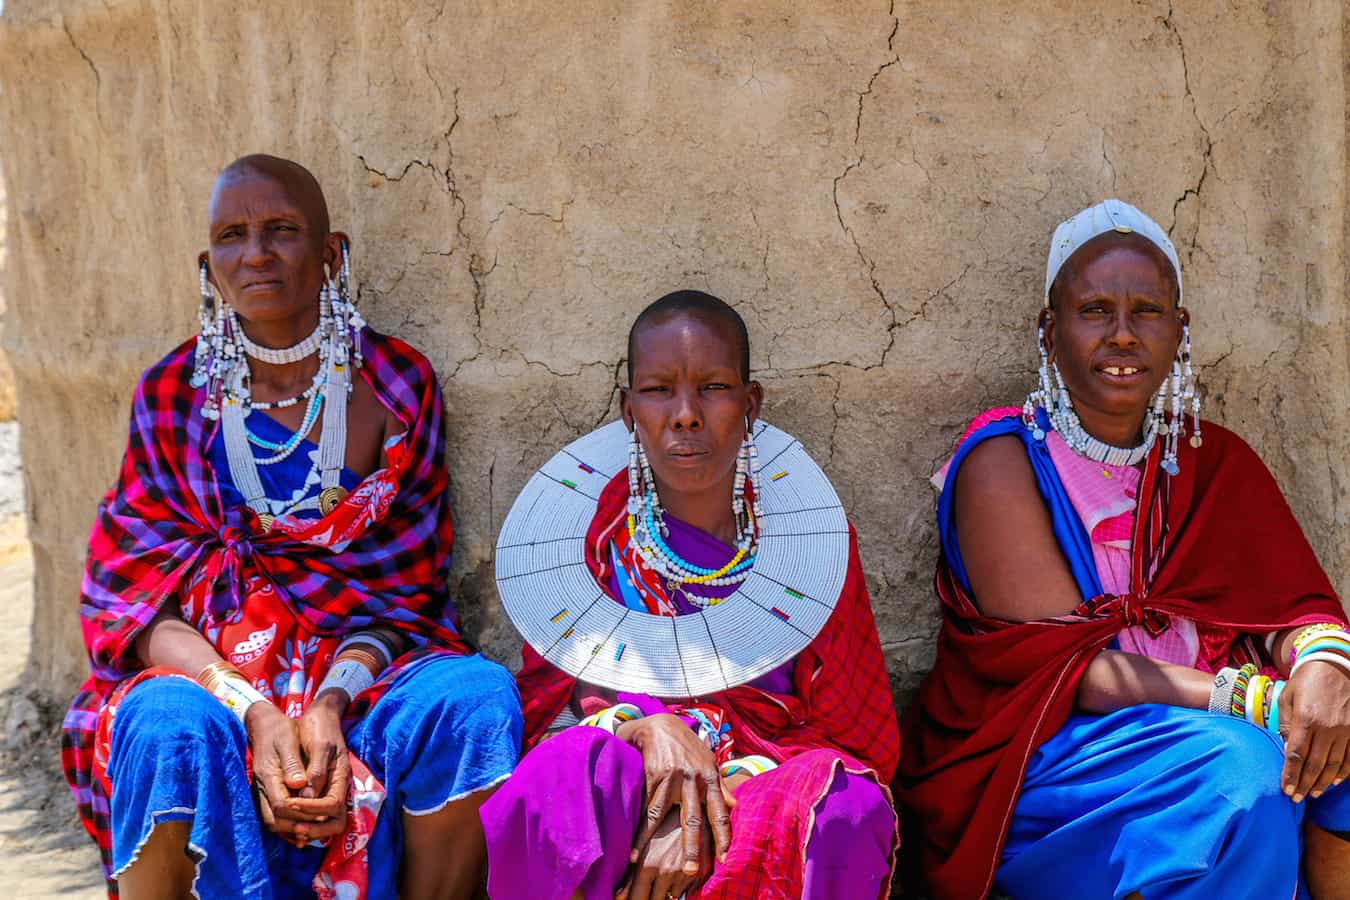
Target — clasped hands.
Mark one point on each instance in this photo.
(687, 810)
(301, 768)
(1315, 723)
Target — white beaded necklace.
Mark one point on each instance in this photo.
(1069, 427)
(283, 355)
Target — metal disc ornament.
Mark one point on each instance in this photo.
(557, 606)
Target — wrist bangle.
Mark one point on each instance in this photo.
(1273, 722)
(370, 644)
(1238, 708)
(1256, 695)
(612, 717)
(749, 765)
(1338, 659)
(228, 685)
(349, 676)
(1221, 694)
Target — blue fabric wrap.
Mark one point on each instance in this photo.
(278, 480)
(448, 726)
(1174, 803)
(1068, 528)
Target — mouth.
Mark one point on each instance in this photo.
(262, 285)
(1123, 373)
(686, 454)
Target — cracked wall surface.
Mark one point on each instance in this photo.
(871, 183)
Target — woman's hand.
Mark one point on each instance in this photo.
(328, 768)
(1315, 719)
(680, 772)
(660, 872)
(276, 768)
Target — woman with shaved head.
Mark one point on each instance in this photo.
(704, 688)
(1142, 684)
(280, 704)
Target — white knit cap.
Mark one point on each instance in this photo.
(1109, 215)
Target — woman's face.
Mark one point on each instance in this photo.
(689, 402)
(1113, 327)
(265, 258)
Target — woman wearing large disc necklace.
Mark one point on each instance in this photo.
(704, 691)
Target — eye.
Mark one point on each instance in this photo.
(716, 386)
(231, 232)
(1149, 309)
(653, 389)
(1093, 309)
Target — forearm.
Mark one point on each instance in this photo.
(1116, 680)
(361, 658)
(169, 641)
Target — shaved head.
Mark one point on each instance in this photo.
(699, 305)
(297, 181)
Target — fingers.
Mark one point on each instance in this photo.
(1331, 768)
(719, 816)
(1314, 761)
(691, 825)
(1295, 754)
(658, 804)
(316, 773)
(288, 752)
(644, 880)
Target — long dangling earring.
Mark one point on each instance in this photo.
(348, 318)
(1043, 396)
(634, 474)
(1190, 386)
(738, 489)
(206, 313)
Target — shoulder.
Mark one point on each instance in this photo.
(396, 368)
(995, 464)
(169, 378)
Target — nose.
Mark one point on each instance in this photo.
(1122, 330)
(688, 412)
(256, 248)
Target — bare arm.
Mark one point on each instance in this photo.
(169, 641)
(1018, 573)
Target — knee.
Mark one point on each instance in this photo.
(1244, 770)
(170, 709)
(855, 805)
(592, 753)
(455, 695)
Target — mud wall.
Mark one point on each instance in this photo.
(871, 184)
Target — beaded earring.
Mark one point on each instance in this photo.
(206, 314)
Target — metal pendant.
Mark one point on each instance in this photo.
(329, 499)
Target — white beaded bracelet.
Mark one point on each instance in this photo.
(349, 676)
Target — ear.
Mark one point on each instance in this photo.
(332, 251)
(1046, 323)
(754, 401)
(626, 408)
(204, 259)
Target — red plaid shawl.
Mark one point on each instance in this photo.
(841, 702)
(162, 536)
(1228, 554)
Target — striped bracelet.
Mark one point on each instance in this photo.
(747, 765)
(611, 717)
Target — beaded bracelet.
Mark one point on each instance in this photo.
(1238, 708)
(748, 765)
(350, 676)
(612, 717)
(1221, 694)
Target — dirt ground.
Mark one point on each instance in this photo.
(44, 853)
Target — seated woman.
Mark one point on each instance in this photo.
(1143, 675)
(700, 651)
(255, 599)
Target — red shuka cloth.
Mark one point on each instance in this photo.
(1229, 555)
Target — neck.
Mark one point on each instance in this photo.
(708, 511)
(1116, 430)
(282, 378)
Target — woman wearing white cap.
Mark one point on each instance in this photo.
(1143, 675)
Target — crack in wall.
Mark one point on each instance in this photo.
(1208, 151)
(868, 263)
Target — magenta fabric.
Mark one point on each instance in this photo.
(566, 819)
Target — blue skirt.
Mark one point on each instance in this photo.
(447, 726)
(1170, 802)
